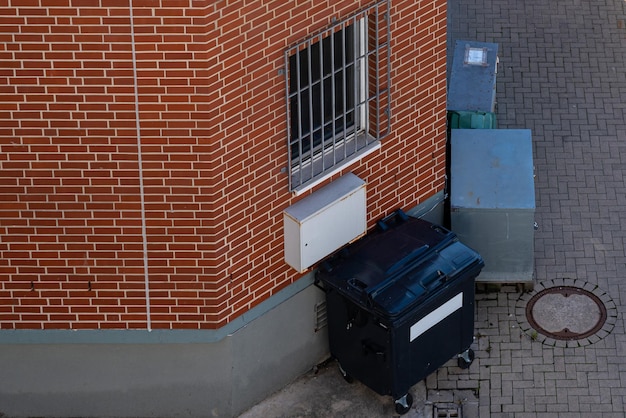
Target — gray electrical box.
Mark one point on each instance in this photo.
(492, 200)
(472, 85)
(324, 221)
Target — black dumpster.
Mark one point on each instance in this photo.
(400, 304)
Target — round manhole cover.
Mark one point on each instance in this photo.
(566, 312)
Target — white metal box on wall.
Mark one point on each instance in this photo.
(492, 200)
(323, 222)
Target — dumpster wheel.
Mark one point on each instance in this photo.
(345, 374)
(403, 405)
(465, 359)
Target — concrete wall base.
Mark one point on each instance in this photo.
(212, 379)
(165, 373)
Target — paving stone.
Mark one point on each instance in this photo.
(561, 75)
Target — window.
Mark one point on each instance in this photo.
(337, 86)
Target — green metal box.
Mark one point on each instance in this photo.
(471, 120)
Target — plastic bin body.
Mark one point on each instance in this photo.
(400, 304)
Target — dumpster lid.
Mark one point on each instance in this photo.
(392, 270)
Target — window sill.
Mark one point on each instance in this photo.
(358, 156)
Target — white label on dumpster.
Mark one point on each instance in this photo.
(436, 316)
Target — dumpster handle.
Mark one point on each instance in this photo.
(316, 280)
(383, 223)
(317, 284)
(357, 284)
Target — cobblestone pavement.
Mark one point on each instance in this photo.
(562, 74)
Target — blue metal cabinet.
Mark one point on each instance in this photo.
(472, 85)
(492, 200)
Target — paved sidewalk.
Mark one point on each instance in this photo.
(562, 74)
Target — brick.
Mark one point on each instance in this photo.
(93, 104)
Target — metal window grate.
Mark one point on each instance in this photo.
(337, 94)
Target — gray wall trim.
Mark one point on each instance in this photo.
(431, 209)
(155, 336)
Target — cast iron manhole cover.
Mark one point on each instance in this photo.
(566, 312)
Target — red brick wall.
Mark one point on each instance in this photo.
(206, 163)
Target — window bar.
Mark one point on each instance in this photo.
(320, 42)
(377, 80)
(388, 86)
(333, 97)
(299, 115)
(310, 88)
(343, 88)
(288, 107)
(356, 79)
(363, 79)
